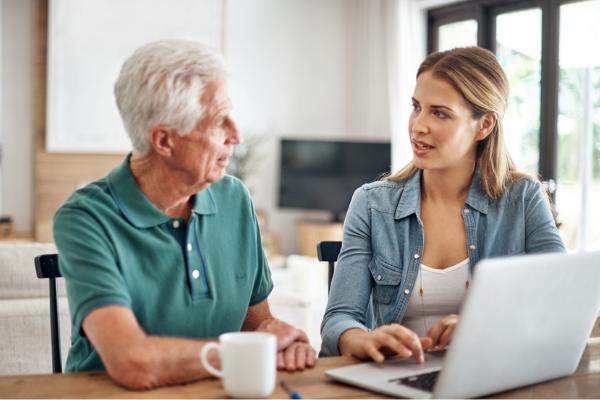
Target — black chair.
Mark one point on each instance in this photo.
(329, 251)
(46, 266)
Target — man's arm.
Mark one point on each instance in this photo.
(140, 361)
(293, 350)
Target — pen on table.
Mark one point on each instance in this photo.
(293, 394)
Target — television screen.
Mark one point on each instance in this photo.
(323, 175)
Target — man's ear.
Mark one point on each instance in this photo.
(486, 125)
(161, 139)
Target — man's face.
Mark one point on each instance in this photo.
(202, 155)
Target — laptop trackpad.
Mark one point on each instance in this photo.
(385, 377)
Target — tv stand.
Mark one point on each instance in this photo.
(312, 232)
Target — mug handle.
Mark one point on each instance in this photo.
(205, 363)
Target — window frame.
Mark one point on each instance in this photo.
(485, 12)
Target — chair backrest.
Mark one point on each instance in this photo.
(329, 251)
(46, 267)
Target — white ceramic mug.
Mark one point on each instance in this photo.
(248, 363)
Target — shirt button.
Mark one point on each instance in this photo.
(406, 291)
(472, 247)
(466, 211)
(175, 224)
(416, 256)
(196, 274)
(189, 247)
(378, 277)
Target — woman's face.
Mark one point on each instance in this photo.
(443, 132)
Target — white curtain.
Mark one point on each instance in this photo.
(367, 106)
(386, 43)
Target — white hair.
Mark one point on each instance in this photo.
(162, 83)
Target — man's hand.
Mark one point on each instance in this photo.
(293, 350)
(384, 341)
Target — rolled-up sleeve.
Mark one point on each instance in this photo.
(541, 234)
(351, 285)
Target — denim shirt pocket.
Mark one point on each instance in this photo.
(387, 280)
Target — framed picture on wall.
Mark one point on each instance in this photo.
(88, 41)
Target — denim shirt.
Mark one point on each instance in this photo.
(383, 240)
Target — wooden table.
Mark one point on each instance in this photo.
(312, 383)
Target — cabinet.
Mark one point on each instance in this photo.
(311, 233)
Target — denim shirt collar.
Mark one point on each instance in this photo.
(477, 197)
(410, 201)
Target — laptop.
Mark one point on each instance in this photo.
(526, 319)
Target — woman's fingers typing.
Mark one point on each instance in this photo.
(441, 333)
(385, 340)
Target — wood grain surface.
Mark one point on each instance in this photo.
(311, 383)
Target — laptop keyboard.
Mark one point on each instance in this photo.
(423, 382)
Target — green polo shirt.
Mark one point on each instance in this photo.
(192, 280)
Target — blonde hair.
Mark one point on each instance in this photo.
(476, 74)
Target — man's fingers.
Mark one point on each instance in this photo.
(300, 357)
(311, 357)
(289, 355)
(286, 333)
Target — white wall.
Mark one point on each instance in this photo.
(289, 75)
(16, 126)
(288, 79)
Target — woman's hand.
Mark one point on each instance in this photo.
(441, 333)
(384, 341)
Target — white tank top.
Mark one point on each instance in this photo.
(443, 293)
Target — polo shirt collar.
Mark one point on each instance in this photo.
(204, 203)
(136, 207)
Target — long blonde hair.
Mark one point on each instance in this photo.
(476, 74)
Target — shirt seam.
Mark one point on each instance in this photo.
(263, 298)
(91, 306)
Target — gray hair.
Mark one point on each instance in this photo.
(162, 83)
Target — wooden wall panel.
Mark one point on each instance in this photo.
(56, 176)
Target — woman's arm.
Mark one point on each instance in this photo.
(351, 285)
(344, 330)
(541, 234)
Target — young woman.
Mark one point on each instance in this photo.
(412, 241)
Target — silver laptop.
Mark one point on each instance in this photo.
(526, 319)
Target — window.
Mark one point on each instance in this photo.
(552, 124)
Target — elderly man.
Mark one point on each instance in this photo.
(165, 252)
